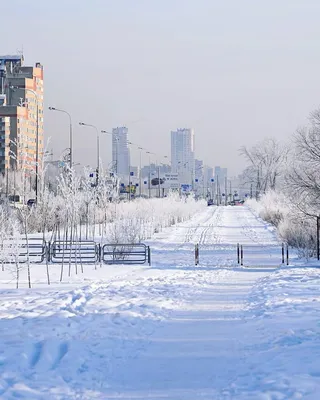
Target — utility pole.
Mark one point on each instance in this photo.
(129, 184)
(7, 181)
(159, 181)
(218, 190)
(149, 181)
(225, 191)
(98, 149)
(258, 185)
(212, 189)
(140, 173)
(37, 149)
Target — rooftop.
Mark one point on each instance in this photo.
(12, 57)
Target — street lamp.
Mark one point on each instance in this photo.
(149, 152)
(140, 172)
(98, 147)
(116, 155)
(70, 130)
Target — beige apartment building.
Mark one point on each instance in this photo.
(21, 115)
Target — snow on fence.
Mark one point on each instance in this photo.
(21, 249)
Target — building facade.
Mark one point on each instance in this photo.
(120, 150)
(182, 155)
(21, 114)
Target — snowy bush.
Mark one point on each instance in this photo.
(294, 227)
(140, 219)
(272, 207)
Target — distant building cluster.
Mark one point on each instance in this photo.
(185, 170)
(22, 141)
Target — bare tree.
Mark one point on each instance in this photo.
(303, 177)
(267, 160)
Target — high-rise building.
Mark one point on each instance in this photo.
(21, 114)
(120, 150)
(182, 154)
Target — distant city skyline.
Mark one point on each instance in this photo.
(235, 72)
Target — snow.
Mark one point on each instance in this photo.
(170, 331)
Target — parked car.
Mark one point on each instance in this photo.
(210, 202)
(31, 202)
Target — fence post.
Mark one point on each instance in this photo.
(241, 251)
(287, 254)
(149, 256)
(238, 252)
(99, 252)
(196, 254)
(282, 250)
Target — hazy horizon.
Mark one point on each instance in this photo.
(235, 73)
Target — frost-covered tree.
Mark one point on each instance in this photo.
(303, 178)
(267, 161)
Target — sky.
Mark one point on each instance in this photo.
(237, 71)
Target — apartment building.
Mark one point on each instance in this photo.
(21, 114)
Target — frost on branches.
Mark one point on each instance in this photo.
(77, 210)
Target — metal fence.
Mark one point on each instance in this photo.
(73, 252)
(19, 250)
(85, 251)
(126, 254)
(244, 255)
(263, 255)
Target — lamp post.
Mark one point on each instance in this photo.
(140, 173)
(117, 142)
(70, 130)
(149, 152)
(98, 148)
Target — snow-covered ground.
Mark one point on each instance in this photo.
(172, 331)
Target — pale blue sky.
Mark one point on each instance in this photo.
(235, 70)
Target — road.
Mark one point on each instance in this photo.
(172, 331)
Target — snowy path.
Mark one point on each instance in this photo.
(217, 231)
(172, 331)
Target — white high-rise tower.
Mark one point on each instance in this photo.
(120, 150)
(182, 155)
